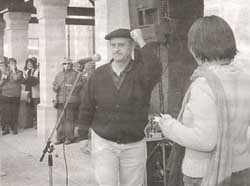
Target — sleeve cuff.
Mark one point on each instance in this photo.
(166, 126)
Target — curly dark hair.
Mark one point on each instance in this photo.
(32, 62)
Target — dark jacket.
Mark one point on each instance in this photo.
(11, 87)
(120, 115)
(31, 82)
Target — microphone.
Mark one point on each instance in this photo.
(95, 58)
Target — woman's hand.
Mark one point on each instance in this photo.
(165, 118)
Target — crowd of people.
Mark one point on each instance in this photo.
(17, 86)
(20, 95)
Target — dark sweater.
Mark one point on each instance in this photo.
(11, 87)
(120, 115)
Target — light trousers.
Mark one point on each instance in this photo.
(118, 164)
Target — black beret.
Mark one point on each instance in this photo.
(121, 32)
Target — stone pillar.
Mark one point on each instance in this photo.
(109, 15)
(237, 15)
(242, 34)
(52, 50)
(2, 26)
(16, 36)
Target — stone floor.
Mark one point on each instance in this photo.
(20, 165)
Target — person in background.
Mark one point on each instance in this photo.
(215, 117)
(11, 90)
(36, 91)
(79, 66)
(85, 68)
(63, 85)
(31, 81)
(3, 67)
(115, 107)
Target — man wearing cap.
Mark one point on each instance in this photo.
(116, 106)
(63, 85)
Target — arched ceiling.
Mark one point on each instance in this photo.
(27, 6)
(17, 5)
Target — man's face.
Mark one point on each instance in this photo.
(121, 49)
(77, 66)
(67, 66)
(12, 64)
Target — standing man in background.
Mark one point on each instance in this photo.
(116, 106)
(63, 85)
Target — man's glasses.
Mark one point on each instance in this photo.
(66, 63)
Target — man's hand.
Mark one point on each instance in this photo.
(137, 36)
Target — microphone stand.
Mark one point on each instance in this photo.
(49, 147)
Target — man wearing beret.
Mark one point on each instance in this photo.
(116, 106)
(62, 86)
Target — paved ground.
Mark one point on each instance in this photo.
(20, 166)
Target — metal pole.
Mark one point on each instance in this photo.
(68, 38)
(50, 163)
(164, 163)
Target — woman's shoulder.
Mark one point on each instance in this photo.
(200, 82)
(200, 86)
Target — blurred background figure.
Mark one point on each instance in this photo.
(85, 68)
(11, 80)
(31, 89)
(63, 85)
(35, 89)
(3, 67)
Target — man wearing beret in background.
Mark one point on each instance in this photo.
(62, 86)
(116, 106)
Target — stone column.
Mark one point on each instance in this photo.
(109, 15)
(52, 50)
(237, 15)
(16, 36)
(2, 26)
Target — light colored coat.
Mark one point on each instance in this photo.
(198, 130)
(36, 89)
(63, 85)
